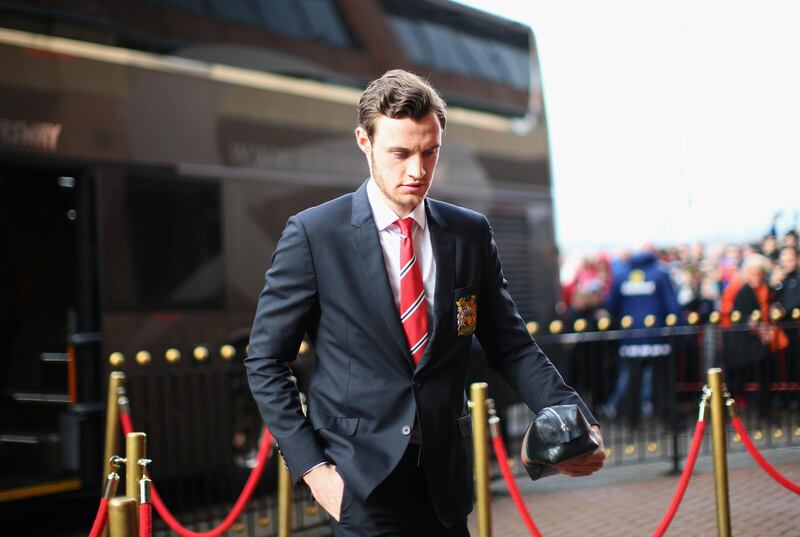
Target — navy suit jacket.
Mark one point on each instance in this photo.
(328, 280)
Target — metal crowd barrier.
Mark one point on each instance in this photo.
(203, 432)
(204, 427)
(586, 352)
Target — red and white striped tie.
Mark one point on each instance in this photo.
(413, 306)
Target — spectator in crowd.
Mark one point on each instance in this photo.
(583, 373)
(729, 265)
(785, 280)
(645, 289)
(698, 291)
(581, 294)
(748, 352)
(790, 239)
(769, 247)
(587, 299)
(697, 253)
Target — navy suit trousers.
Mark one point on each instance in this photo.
(399, 507)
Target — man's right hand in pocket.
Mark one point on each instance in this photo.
(327, 487)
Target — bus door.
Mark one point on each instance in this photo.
(48, 368)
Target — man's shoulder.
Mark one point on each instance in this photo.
(456, 217)
(327, 213)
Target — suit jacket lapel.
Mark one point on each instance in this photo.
(367, 246)
(442, 242)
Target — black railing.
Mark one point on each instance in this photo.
(203, 428)
(765, 381)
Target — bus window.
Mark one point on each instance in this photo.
(164, 246)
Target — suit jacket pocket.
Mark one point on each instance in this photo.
(465, 425)
(467, 290)
(339, 425)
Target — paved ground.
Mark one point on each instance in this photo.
(630, 501)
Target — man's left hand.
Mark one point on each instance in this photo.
(587, 464)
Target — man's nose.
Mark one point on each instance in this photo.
(416, 167)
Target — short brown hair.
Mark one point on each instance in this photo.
(399, 94)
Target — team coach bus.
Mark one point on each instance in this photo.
(151, 152)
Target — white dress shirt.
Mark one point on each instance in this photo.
(389, 234)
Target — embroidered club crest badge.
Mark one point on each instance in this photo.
(467, 315)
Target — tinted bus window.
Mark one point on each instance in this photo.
(174, 244)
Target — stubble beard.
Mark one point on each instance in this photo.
(394, 200)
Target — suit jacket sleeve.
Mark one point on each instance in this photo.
(509, 347)
(285, 306)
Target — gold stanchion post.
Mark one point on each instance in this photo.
(115, 381)
(135, 450)
(285, 500)
(122, 517)
(480, 443)
(720, 451)
(286, 487)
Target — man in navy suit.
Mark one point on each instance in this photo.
(390, 287)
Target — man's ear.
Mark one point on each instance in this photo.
(362, 140)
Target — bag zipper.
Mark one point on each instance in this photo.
(563, 425)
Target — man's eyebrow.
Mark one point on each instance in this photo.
(401, 148)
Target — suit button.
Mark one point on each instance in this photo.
(417, 384)
(406, 430)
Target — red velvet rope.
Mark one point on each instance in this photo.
(100, 519)
(238, 507)
(767, 467)
(502, 461)
(691, 458)
(145, 520)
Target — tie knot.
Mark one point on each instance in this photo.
(405, 226)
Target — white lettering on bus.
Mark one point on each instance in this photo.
(38, 135)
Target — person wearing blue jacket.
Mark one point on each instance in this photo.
(643, 288)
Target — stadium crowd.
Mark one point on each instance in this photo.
(704, 278)
(752, 291)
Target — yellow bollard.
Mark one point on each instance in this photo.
(720, 456)
(116, 381)
(286, 485)
(285, 500)
(135, 450)
(122, 517)
(480, 443)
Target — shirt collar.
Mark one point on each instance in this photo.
(383, 215)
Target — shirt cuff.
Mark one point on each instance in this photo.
(313, 467)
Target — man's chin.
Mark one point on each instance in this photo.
(410, 203)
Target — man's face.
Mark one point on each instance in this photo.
(769, 245)
(402, 157)
(788, 260)
(753, 276)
